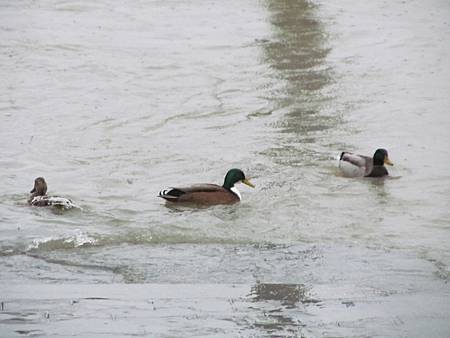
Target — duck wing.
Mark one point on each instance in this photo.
(176, 192)
(355, 159)
(354, 164)
(40, 201)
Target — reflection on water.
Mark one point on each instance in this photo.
(279, 306)
(298, 54)
(379, 188)
(299, 51)
(288, 294)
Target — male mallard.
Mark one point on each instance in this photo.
(39, 197)
(209, 194)
(353, 165)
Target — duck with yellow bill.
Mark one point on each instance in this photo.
(354, 165)
(208, 194)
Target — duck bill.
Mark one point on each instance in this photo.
(388, 161)
(33, 190)
(247, 182)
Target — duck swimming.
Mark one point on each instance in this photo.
(39, 197)
(353, 165)
(209, 194)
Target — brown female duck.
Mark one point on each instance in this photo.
(39, 197)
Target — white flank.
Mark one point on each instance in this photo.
(351, 170)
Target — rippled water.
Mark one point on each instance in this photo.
(111, 102)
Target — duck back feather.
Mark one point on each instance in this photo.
(200, 194)
(354, 165)
(53, 201)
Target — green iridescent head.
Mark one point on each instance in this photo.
(234, 176)
(381, 157)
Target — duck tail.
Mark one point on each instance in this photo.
(342, 155)
(170, 194)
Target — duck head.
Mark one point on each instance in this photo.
(40, 187)
(234, 176)
(381, 157)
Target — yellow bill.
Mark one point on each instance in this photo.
(247, 182)
(388, 161)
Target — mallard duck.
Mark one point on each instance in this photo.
(209, 194)
(39, 197)
(353, 165)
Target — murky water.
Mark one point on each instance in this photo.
(111, 102)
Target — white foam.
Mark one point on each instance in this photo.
(80, 238)
(38, 241)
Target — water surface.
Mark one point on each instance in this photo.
(112, 102)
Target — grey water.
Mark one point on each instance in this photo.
(112, 101)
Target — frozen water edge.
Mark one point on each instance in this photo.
(215, 310)
(342, 292)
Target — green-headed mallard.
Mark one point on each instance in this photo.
(39, 197)
(209, 194)
(353, 165)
